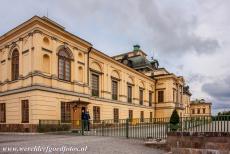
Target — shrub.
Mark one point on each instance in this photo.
(174, 121)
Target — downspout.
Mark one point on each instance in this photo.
(155, 99)
(90, 49)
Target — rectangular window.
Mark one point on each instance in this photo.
(65, 112)
(2, 112)
(130, 115)
(114, 90)
(204, 110)
(129, 94)
(160, 96)
(25, 111)
(95, 85)
(141, 91)
(96, 114)
(142, 116)
(150, 116)
(116, 115)
(150, 98)
(193, 111)
(198, 111)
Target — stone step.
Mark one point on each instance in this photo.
(197, 151)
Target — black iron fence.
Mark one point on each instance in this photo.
(156, 128)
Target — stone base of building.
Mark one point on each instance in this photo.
(194, 143)
(18, 127)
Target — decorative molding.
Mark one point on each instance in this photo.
(128, 83)
(114, 78)
(123, 96)
(47, 50)
(65, 45)
(37, 31)
(3, 61)
(30, 34)
(107, 92)
(26, 51)
(160, 88)
(54, 38)
(95, 71)
(20, 39)
(79, 62)
(141, 88)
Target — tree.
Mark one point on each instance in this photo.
(174, 121)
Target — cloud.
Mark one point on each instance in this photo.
(219, 89)
(174, 29)
(189, 38)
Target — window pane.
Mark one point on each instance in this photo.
(130, 115)
(25, 111)
(2, 112)
(114, 90)
(160, 96)
(141, 96)
(65, 112)
(96, 114)
(151, 116)
(15, 65)
(142, 116)
(95, 85)
(67, 70)
(150, 98)
(116, 115)
(129, 94)
(61, 68)
(64, 65)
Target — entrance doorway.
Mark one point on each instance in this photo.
(76, 114)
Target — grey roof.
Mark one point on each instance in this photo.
(139, 61)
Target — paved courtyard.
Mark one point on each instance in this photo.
(92, 144)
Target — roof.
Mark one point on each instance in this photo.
(45, 21)
(201, 101)
(139, 61)
(123, 54)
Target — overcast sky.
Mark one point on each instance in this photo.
(188, 37)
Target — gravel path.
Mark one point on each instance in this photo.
(92, 144)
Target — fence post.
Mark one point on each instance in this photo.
(103, 127)
(82, 127)
(127, 128)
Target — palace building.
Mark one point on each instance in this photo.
(200, 108)
(48, 73)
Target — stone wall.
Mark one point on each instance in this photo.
(18, 127)
(199, 143)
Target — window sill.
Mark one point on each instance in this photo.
(65, 81)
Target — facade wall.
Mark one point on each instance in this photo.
(38, 81)
(39, 42)
(194, 107)
(173, 96)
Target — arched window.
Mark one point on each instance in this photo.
(15, 65)
(64, 65)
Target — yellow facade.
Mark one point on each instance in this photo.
(39, 41)
(200, 108)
